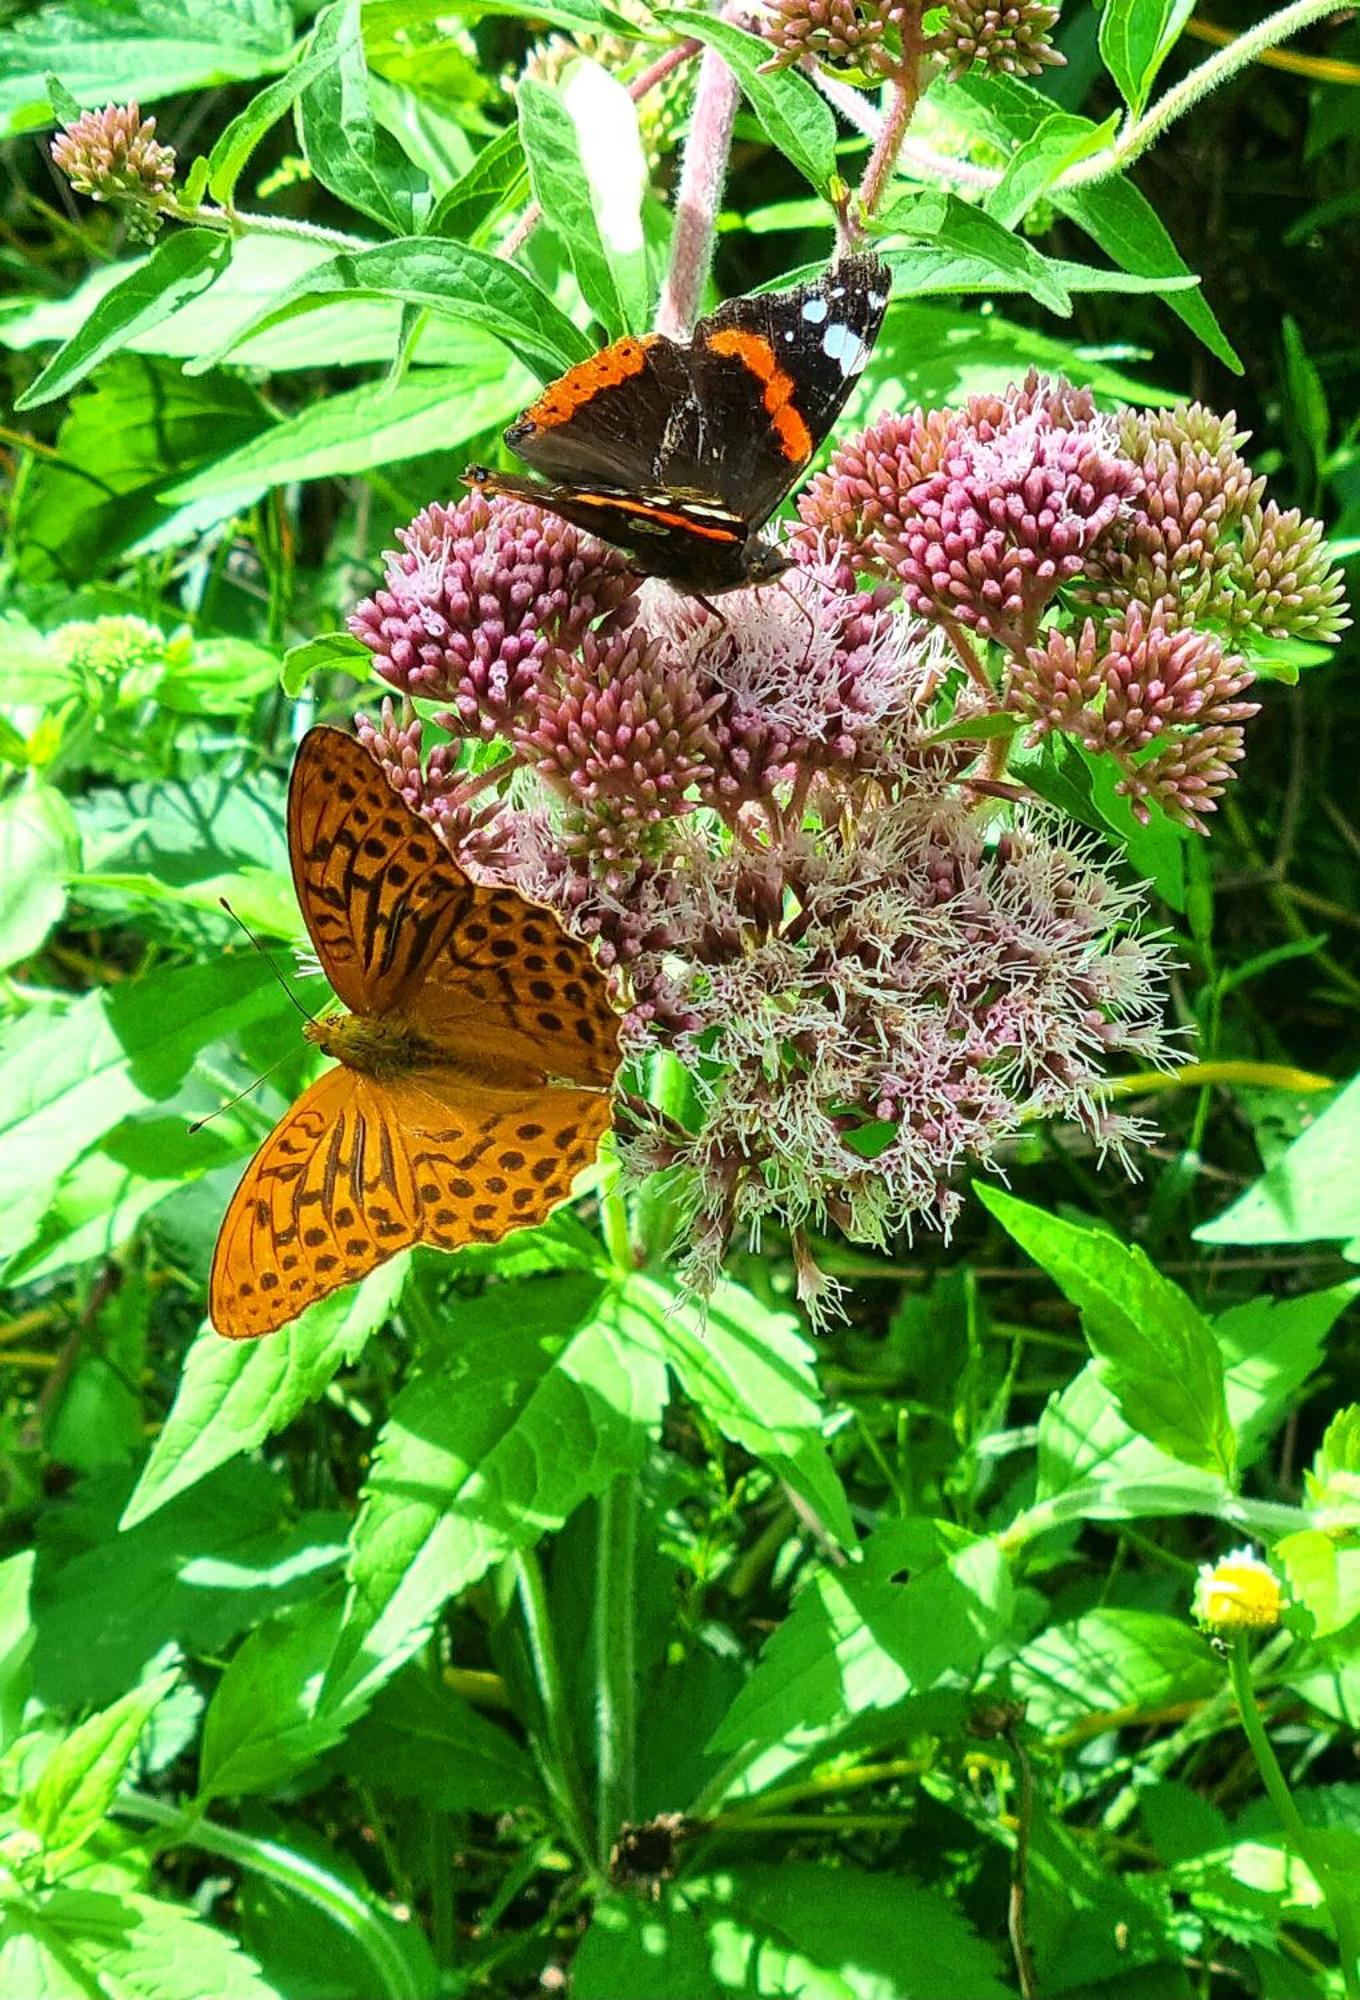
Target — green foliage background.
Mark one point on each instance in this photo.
(333, 1667)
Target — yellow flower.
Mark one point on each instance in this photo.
(1239, 1593)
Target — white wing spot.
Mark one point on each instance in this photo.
(838, 291)
(815, 311)
(877, 301)
(788, 333)
(840, 343)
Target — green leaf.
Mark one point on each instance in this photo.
(232, 1395)
(85, 1944)
(795, 120)
(145, 49)
(1120, 218)
(860, 1638)
(1155, 1350)
(1055, 145)
(70, 1075)
(1310, 1194)
(39, 848)
(329, 652)
(179, 268)
(1271, 1347)
(433, 410)
(751, 1372)
(262, 1723)
(549, 1390)
(211, 1563)
(496, 180)
(1323, 1577)
(238, 139)
(421, 1742)
(447, 278)
(821, 1933)
(143, 425)
(80, 1778)
(346, 149)
(17, 1634)
(1136, 37)
(588, 174)
(1112, 212)
(384, 17)
(971, 239)
(1109, 1661)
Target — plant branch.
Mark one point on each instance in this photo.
(561, 1774)
(1143, 132)
(702, 177)
(615, 1660)
(1336, 1895)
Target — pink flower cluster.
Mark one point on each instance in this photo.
(774, 822)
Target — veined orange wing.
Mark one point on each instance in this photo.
(473, 1068)
(359, 1169)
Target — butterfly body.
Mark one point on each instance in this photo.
(679, 453)
(472, 1062)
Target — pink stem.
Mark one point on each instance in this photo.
(701, 185)
(905, 90)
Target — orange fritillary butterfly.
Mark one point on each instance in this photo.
(474, 1060)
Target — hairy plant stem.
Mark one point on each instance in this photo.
(1336, 1895)
(699, 197)
(242, 222)
(903, 94)
(1138, 135)
(561, 1773)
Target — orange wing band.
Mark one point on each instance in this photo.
(562, 399)
(795, 439)
(661, 514)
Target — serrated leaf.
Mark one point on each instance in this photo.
(421, 1742)
(68, 1077)
(589, 175)
(445, 277)
(262, 1723)
(84, 1772)
(860, 1637)
(1310, 1194)
(17, 1635)
(797, 1928)
(130, 1946)
(1055, 145)
(178, 269)
(1154, 1348)
(551, 1388)
(751, 1372)
(974, 238)
(234, 1394)
(1113, 1660)
(795, 120)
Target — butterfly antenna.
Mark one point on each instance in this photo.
(226, 1104)
(305, 1012)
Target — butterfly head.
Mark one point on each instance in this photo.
(762, 562)
(381, 1045)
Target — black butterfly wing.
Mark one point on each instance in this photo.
(790, 358)
(602, 423)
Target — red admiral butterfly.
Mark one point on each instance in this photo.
(680, 454)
